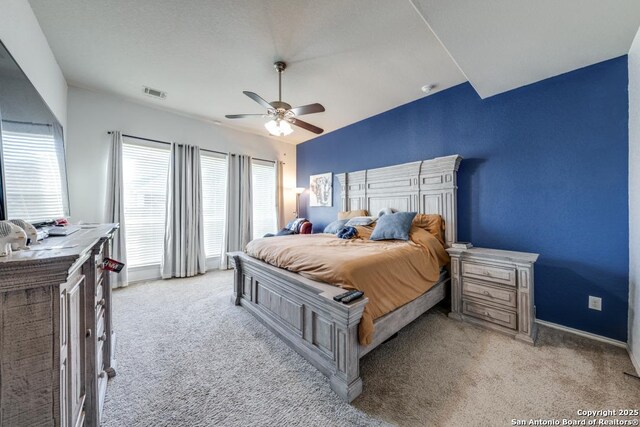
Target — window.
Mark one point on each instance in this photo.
(214, 197)
(145, 170)
(263, 178)
(34, 173)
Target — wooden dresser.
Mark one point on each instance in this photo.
(495, 289)
(56, 342)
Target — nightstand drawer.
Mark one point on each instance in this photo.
(490, 314)
(503, 275)
(494, 294)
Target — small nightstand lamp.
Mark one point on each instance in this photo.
(299, 191)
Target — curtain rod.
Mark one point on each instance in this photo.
(203, 149)
(26, 123)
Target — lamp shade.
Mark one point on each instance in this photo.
(278, 127)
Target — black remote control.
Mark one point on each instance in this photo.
(338, 298)
(353, 296)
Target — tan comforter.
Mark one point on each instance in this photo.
(390, 273)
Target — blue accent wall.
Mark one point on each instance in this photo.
(545, 170)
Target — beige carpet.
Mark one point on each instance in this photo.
(187, 357)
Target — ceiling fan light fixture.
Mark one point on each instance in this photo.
(278, 127)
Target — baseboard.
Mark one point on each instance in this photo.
(634, 361)
(582, 333)
(150, 273)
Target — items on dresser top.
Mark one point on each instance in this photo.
(495, 289)
(461, 245)
(12, 238)
(62, 230)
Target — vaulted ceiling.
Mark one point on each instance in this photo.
(356, 57)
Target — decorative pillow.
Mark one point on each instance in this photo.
(360, 220)
(352, 214)
(335, 226)
(433, 223)
(386, 211)
(394, 226)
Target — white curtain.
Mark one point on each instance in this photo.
(115, 207)
(280, 194)
(239, 207)
(184, 254)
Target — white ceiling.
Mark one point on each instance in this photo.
(504, 44)
(358, 58)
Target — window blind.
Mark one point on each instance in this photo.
(35, 187)
(145, 170)
(214, 197)
(263, 179)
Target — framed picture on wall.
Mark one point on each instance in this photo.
(321, 189)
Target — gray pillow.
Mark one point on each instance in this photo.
(335, 226)
(393, 226)
(360, 220)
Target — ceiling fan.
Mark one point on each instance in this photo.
(282, 115)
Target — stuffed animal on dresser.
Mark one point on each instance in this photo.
(30, 230)
(12, 238)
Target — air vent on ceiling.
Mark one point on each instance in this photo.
(154, 93)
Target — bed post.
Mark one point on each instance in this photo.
(346, 381)
(237, 280)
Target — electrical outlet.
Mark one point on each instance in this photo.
(595, 303)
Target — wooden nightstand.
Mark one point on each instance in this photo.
(494, 288)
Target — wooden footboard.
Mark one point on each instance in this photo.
(303, 313)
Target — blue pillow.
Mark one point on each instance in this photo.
(335, 226)
(393, 226)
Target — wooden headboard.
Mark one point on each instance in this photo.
(427, 186)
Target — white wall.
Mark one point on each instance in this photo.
(92, 114)
(21, 34)
(634, 201)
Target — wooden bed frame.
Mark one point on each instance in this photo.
(303, 313)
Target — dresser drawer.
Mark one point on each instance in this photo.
(503, 275)
(495, 294)
(490, 314)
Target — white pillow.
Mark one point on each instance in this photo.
(360, 220)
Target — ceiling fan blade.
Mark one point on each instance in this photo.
(242, 116)
(307, 109)
(258, 99)
(305, 125)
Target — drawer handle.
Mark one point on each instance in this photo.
(88, 334)
(102, 337)
(101, 302)
(487, 293)
(486, 273)
(486, 313)
(102, 374)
